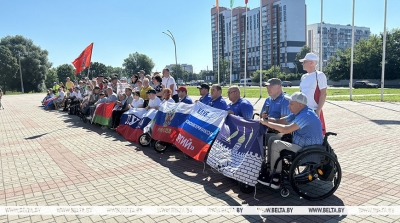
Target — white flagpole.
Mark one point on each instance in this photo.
(261, 44)
(230, 75)
(245, 54)
(352, 54)
(218, 39)
(320, 52)
(383, 52)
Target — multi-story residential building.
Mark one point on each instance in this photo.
(334, 37)
(283, 35)
(185, 67)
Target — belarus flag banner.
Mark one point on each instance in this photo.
(200, 129)
(169, 117)
(103, 113)
(129, 121)
(83, 60)
(237, 151)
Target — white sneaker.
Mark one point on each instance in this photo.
(89, 118)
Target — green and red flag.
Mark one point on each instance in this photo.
(103, 113)
(83, 60)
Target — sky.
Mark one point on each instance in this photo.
(121, 27)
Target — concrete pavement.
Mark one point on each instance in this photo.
(50, 158)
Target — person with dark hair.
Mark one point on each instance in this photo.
(204, 93)
(134, 80)
(169, 82)
(137, 101)
(216, 98)
(157, 83)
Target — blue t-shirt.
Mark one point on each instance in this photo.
(278, 107)
(187, 100)
(242, 108)
(205, 99)
(310, 131)
(218, 103)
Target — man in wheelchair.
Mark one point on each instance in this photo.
(306, 128)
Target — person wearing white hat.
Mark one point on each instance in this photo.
(314, 84)
(306, 128)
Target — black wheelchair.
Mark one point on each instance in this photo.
(313, 172)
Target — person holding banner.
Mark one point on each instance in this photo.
(182, 94)
(154, 101)
(167, 96)
(239, 106)
(216, 98)
(314, 85)
(125, 106)
(306, 128)
(169, 82)
(137, 101)
(204, 93)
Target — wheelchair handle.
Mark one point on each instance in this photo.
(330, 133)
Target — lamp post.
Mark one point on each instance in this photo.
(173, 40)
(20, 72)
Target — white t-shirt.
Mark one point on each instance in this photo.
(168, 81)
(308, 84)
(154, 102)
(135, 104)
(61, 95)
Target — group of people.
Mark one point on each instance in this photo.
(299, 114)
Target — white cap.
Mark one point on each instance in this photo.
(297, 97)
(310, 56)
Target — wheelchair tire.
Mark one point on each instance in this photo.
(160, 146)
(144, 139)
(285, 192)
(245, 188)
(307, 178)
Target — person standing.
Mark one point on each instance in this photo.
(169, 82)
(314, 84)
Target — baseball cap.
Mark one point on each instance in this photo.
(274, 81)
(182, 88)
(151, 91)
(141, 71)
(310, 56)
(297, 97)
(204, 86)
(55, 83)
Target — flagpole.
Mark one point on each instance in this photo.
(320, 52)
(245, 54)
(218, 38)
(383, 52)
(230, 75)
(261, 44)
(352, 54)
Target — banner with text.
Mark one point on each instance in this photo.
(169, 117)
(200, 129)
(129, 121)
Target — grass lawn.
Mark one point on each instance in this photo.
(333, 94)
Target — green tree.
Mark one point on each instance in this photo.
(300, 55)
(64, 71)
(34, 63)
(52, 77)
(96, 69)
(118, 70)
(136, 62)
(273, 71)
(8, 66)
(177, 72)
(392, 66)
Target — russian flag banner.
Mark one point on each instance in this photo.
(169, 117)
(199, 130)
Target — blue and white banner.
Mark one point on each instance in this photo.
(237, 151)
(200, 129)
(133, 122)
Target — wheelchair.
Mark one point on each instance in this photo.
(313, 172)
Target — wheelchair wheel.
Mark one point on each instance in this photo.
(144, 139)
(315, 174)
(245, 188)
(160, 146)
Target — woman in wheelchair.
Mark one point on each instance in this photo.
(306, 128)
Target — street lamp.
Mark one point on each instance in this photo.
(173, 40)
(20, 72)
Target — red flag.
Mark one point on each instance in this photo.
(83, 60)
(246, 1)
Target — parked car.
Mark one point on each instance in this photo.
(286, 84)
(249, 82)
(365, 84)
(264, 83)
(222, 84)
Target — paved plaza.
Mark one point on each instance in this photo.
(49, 158)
